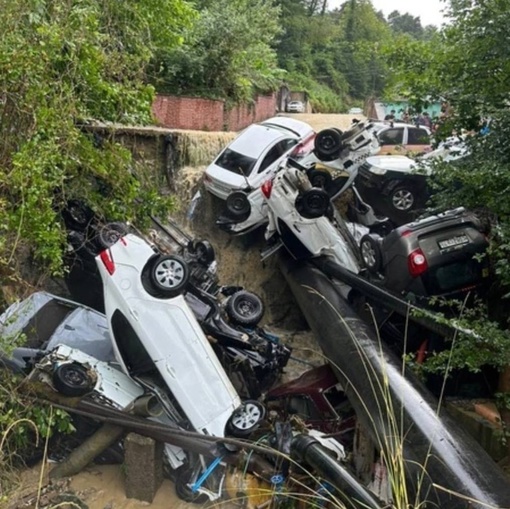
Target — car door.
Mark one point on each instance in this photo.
(417, 140)
(391, 140)
(270, 162)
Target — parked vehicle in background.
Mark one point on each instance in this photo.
(355, 111)
(295, 107)
(255, 154)
(396, 138)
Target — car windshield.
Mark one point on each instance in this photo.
(236, 163)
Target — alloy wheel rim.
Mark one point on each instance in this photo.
(169, 273)
(403, 199)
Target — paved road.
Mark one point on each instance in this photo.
(321, 121)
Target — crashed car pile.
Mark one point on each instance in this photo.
(166, 340)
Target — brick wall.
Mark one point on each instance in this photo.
(188, 113)
(208, 115)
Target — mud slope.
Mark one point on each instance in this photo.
(238, 257)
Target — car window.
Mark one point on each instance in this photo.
(393, 136)
(276, 152)
(417, 136)
(44, 323)
(304, 408)
(235, 162)
(335, 397)
(131, 349)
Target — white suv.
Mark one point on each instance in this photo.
(158, 341)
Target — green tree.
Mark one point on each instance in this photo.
(468, 64)
(406, 24)
(62, 63)
(227, 53)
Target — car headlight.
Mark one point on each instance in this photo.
(376, 170)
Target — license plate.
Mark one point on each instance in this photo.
(456, 241)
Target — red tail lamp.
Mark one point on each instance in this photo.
(417, 263)
(107, 260)
(266, 188)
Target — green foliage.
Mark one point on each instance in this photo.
(226, 53)
(60, 64)
(339, 51)
(23, 422)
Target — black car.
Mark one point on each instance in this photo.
(394, 187)
(443, 254)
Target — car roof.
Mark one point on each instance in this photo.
(395, 125)
(255, 139)
(297, 127)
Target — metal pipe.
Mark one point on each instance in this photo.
(350, 490)
(146, 406)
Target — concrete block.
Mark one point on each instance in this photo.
(143, 467)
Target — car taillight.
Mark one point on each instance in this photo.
(266, 188)
(417, 263)
(107, 260)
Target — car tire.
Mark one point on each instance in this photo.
(184, 476)
(72, 379)
(77, 215)
(328, 144)
(237, 204)
(245, 419)
(169, 275)
(371, 254)
(313, 203)
(203, 251)
(320, 178)
(245, 308)
(403, 198)
(109, 234)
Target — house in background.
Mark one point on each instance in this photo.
(378, 109)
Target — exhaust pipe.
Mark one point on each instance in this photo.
(146, 406)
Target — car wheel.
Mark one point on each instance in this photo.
(72, 379)
(403, 198)
(169, 275)
(238, 205)
(371, 253)
(320, 178)
(186, 475)
(77, 215)
(313, 203)
(203, 250)
(109, 234)
(328, 144)
(245, 308)
(245, 419)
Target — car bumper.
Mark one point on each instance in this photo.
(370, 180)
